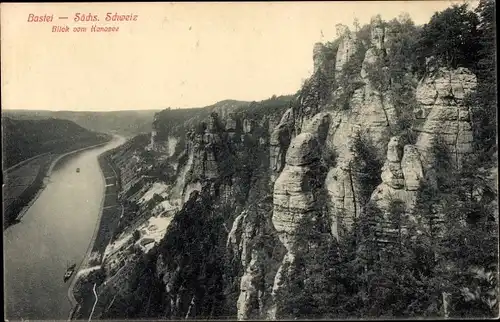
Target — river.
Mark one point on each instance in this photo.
(54, 232)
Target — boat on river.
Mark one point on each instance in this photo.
(77, 169)
(69, 272)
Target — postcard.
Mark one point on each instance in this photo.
(249, 160)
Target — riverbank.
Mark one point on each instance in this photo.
(109, 216)
(20, 164)
(26, 180)
(54, 233)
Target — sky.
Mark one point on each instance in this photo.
(175, 55)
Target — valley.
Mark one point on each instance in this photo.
(369, 192)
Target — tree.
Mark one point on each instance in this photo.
(136, 235)
(459, 234)
(470, 241)
(366, 166)
(451, 37)
(483, 102)
(313, 284)
(398, 220)
(356, 24)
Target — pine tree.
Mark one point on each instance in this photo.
(483, 102)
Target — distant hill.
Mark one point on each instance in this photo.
(176, 121)
(125, 123)
(23, 139)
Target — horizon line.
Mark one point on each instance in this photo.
(144, 110)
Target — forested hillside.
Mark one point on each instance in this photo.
(125, 123)
(24, 139)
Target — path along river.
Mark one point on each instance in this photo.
(54, 232)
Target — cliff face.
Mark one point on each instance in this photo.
(305, 185)
(346, 50)
(264, 189)
(442, 112)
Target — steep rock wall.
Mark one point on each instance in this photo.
(371, 113)
(299, 196)
(442, 112)
(346, 50)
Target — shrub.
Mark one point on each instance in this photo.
(136, 235)
(366, 166)
(329, 156)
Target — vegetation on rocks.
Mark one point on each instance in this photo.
(366, 166)
(428, 250)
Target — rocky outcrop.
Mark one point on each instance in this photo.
(162, 143)
(342, 192)
(295, 192)
(314, 94)
(346, 50)
(248, 126)
(279, 142)
(412, 168)
(254, 241)
(401, 176)
(231, 126)
(371, 112)
(372, 100)
(318, 56)
(299, 195)
(203, 146)
(442, 112)
(377, 33)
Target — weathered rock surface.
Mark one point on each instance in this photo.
(412, 168)
(313, 94)
(371, 112)
(401, 176)
(299, 196)
(318, 56)
(295, 188)
(346, 50)
(442, 112)
(342, 192)
(254, 240)
(279, 142)
(377, 33)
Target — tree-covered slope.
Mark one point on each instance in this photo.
(125, 123)
(24, 139)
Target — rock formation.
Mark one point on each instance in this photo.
(295, 189)
(254, 240)
(401, 175)
(347, 48)
(370, 111)
(377, 33)
(343, 197)
(299, 194)
(442, 112)
(279, 142)
(318, 56)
